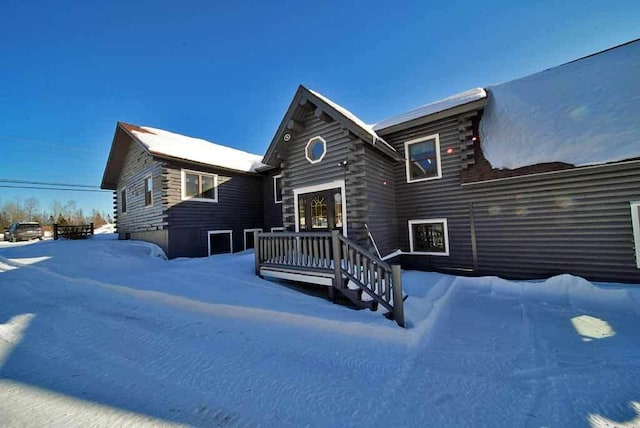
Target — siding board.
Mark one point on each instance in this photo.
(571, 221)
(240, 206)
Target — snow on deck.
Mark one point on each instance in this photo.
(105, 332)
(583, 113)
(432, 108)
(165, 143)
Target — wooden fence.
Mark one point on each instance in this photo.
(325, 253)
(83, 231)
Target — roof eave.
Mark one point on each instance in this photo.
(162, 156)
(463, 108)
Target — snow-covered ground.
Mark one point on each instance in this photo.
(106, 332)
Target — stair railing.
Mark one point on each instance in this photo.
(332, 252)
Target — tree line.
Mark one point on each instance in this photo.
(31, 210)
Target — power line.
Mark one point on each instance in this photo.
(4, 180)
(55, 188)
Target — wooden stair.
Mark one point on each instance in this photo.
(328, 258)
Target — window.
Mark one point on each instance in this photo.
(316, 149)
(635, 222)
(423, 159)
(249, 238)
(123, 200)
(148, 192)
(429, 237)
(220, 242)
(277, 189)
(319, 213)
(199, 186)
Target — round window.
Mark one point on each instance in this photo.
(316, 149)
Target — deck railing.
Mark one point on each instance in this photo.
(330, 252)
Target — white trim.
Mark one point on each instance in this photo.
(258, 229)
(297, 277)
(407, 156)
(560, 171)
(430, 220)
(392, 254)
(318, 188)
(183, 175)
(306, 148)
(144, 185)
(124, 206)
(277, 229)
(219, 232)
(635, 222)
(275, 189)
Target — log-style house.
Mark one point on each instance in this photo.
(532, 178)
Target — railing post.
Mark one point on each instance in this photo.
(256, 247)
(398, 308)
(91, 229)
(337, 262)
(55, 231)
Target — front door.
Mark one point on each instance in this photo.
(320, 211)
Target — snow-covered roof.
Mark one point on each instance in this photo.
(165, 143)
(355, 119)
(432, 108)
(585, 112)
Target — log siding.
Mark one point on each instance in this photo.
(239, 206)
(573, 221)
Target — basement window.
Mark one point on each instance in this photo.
(249, 238)
(635, 222)
(220, 242)
(423, 159)
(199, 186)
(429, 236)
(316, 149)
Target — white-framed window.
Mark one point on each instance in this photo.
(429, 236)
(148, 191)
(277, 229)
(199, 186)
(248, 238)
(315, 149)
(635, 222)
(219, 242)
(123, 200)
(422, 158)
(277, 189)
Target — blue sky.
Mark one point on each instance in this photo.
(226, 71)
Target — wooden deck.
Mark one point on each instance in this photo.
(329, 259)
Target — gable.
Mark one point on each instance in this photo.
(306, 101)
(171, 146)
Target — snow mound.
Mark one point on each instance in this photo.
(165, 143)
(105, 228)
(434, 107)
(581, 113)
(563, 290)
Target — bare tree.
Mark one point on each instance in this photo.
(30, 206)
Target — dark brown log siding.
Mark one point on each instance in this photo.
(272, 210)
(341, 146)
(381, 201)
(573, 221)
(139, 218)
(240, 206)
